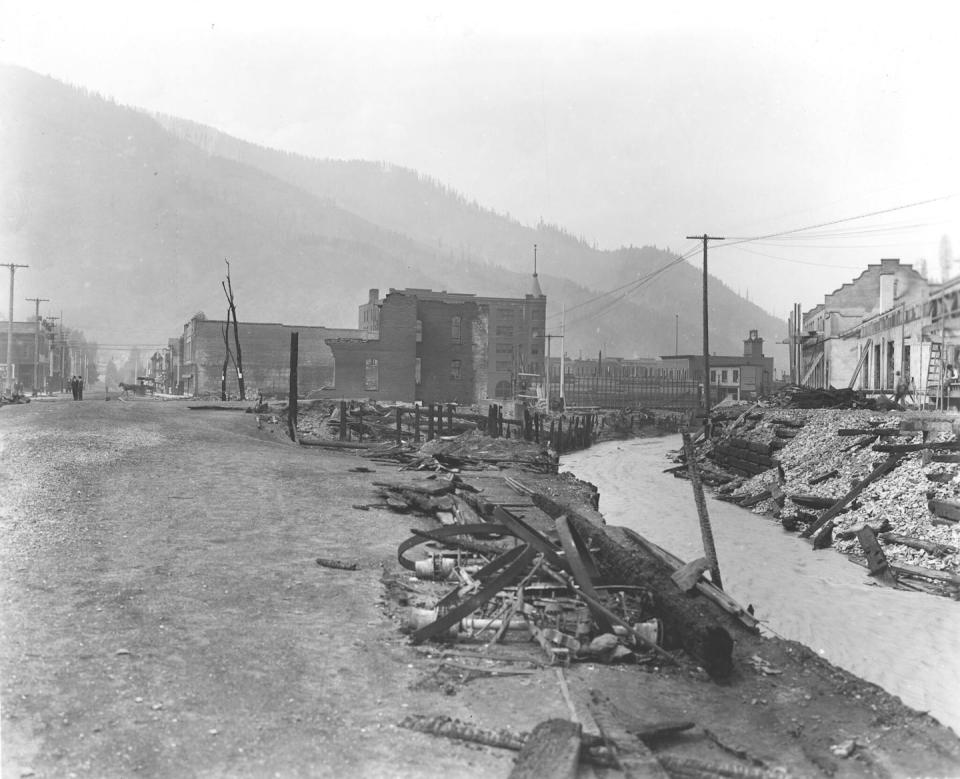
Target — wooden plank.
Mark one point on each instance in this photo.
(945, 458)
(863, 358)
(552, 749)
(753, 500)
(814, 501)
(869, 431)
(929, 573)
(947, 509)
(930, 547)
(876, 559)
(686, 578)
(582, 566)
(823, 477)
(633, 757)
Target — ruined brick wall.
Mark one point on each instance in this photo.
(480, 341)
(394, 352)
(447, 365)
(266, 357)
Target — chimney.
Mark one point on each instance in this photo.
(888, 284)
(374, 296)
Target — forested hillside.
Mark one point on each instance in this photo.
(128, 218)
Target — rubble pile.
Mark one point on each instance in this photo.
(499, 579)
(835, 472)
(527, 567)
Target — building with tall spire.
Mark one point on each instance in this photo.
(422, 345)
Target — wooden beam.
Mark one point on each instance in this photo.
(552, 749)
(876, 559)
(863, 358)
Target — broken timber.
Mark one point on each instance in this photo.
(814, 501)
(876, 559)
(552, 749)
(946, 509)
(930, 547)
(881, 470)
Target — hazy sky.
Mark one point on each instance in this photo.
(626, 124)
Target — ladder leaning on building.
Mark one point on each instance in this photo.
(934, 385)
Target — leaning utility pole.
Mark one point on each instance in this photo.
(12, 266)
(706, 333)
(36, 345)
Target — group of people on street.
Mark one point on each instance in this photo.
(76, 387)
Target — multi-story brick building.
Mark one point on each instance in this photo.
(418, 344)
(30, 356)
(200, 351)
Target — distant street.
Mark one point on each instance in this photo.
(163, 614)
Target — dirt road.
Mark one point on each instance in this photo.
(163, 614)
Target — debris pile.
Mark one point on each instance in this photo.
(835, 473)
(532, 568)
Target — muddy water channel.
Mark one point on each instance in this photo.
(906, 642)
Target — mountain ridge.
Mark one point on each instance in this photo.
(145, 208)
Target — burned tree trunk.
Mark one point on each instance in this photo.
(228, 291)
(226, 357)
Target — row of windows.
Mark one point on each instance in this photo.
(726, 376)
(631, 372)
(456, 333)
(371, 378)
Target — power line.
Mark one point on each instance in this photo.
(633, 283)
(799, 262)
(734, 242)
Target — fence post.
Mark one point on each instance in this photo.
(292, 402)
(430, 423)
(416, 424)
(449, 418)
(560, 435)
(399, 426)
(343, 420)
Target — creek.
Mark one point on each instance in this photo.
(908, 643)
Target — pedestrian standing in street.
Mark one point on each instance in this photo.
(73, 386)
(79, 387)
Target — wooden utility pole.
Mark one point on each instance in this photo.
(13, 267)
(292, 402)
(706, 330)
(36, 344)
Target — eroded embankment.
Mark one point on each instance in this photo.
(829, 474)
